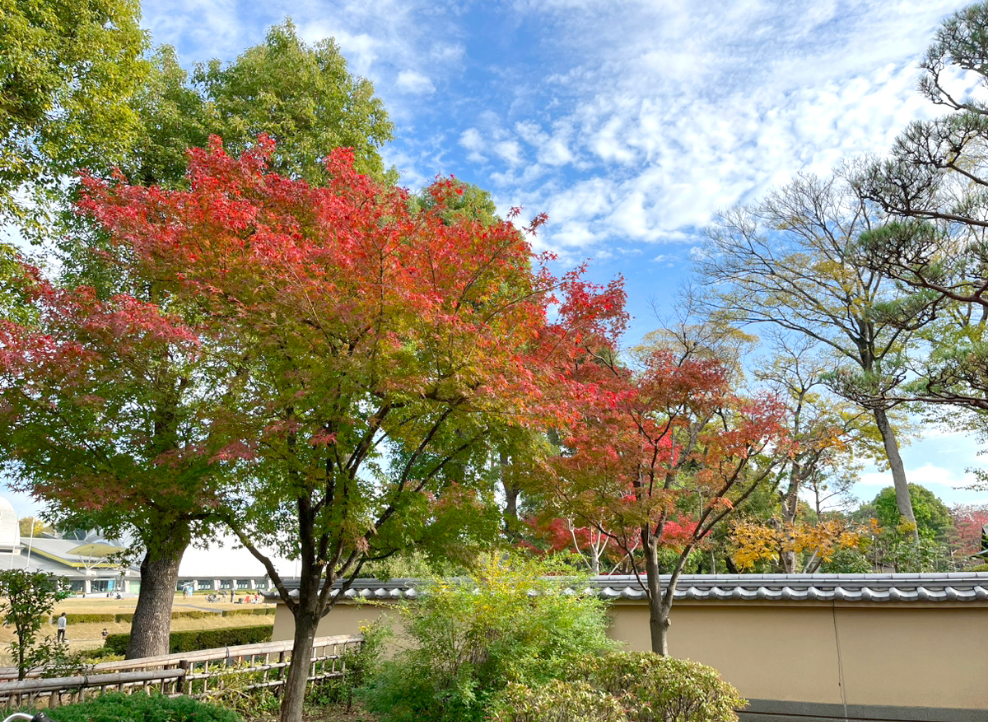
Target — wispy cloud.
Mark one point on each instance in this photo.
(688, 108)
(667, 111)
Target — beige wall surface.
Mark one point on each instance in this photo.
(906, 656)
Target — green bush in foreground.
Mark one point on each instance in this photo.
(509, 622)
(143, 708)
(644, 686)
(194, 640)
(557, 701)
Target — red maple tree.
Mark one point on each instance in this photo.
(372, 352)
(662, 454)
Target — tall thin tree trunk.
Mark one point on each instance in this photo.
(790, 510)
(511, 494)
(902, 500)
(293, 693)
(159, 580)
(658, 615)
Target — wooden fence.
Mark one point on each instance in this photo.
(197, 674)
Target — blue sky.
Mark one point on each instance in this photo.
(630, 123)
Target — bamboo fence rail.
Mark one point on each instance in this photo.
(196, 674)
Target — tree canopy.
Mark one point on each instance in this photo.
(68, 73)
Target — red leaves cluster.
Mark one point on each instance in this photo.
(367, 282)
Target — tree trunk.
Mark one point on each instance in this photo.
(510, 497)
(902, 500)
(159, 580)
(293, 698)
(790, 510)
(21, 651)
(658, 614)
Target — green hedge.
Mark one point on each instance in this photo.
(127, 618)
(100, 654)
(193, 614)
(197, 639)
(260, 611)
(84, 618)
(143, 708)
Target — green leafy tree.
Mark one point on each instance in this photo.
(68, 73)
(27, 601)
(303, 97)
(932, 184)
(933, 517)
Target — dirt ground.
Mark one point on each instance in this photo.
(89, 635)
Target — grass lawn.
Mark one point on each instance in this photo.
(89, 635)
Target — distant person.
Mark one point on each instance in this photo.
(105, 634)
(62, 624)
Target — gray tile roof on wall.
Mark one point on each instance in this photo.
(951, 587)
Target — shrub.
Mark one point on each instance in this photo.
(660, 689)
(194, 640)
(143, 708)
(100, 654)
(979, 568)
(508, 622)
(556, 701)
(231, 687)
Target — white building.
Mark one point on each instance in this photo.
(82, 563)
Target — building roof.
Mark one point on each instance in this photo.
(70, 553)
(877, 588)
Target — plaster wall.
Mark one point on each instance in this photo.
(907, 655)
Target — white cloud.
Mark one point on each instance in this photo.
(510, 151)
(411, 81)
(472, 141)
(680, 108)
(925, 475)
